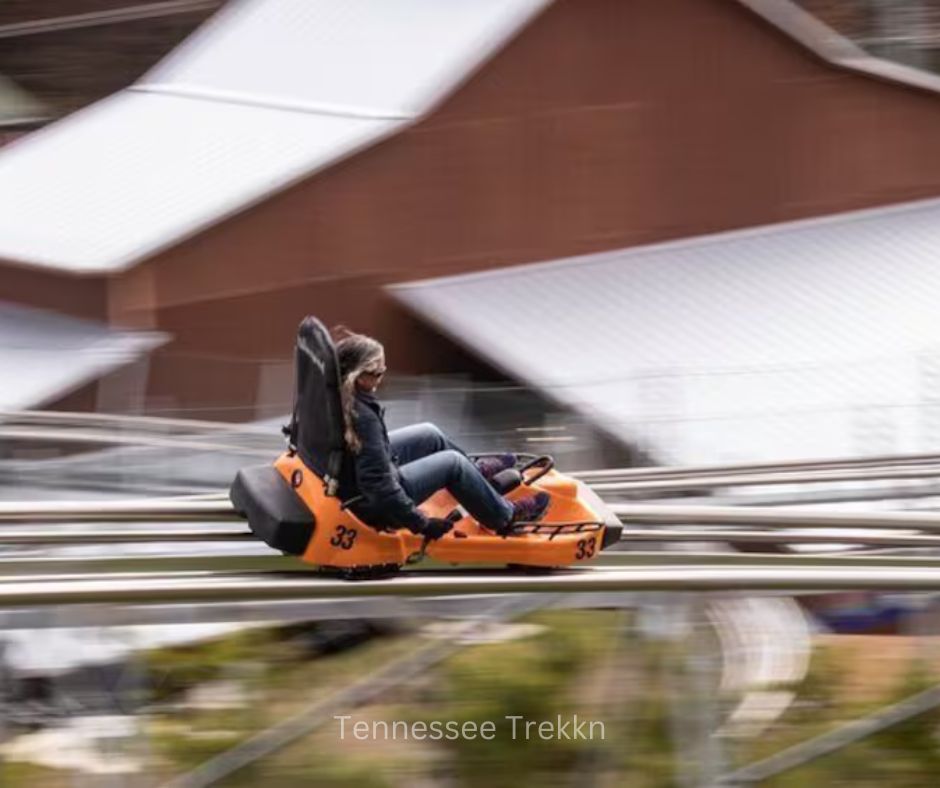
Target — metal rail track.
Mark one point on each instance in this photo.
(159, 424)
(70, 567)
(152, 510)
(164, 427)
(68, 536)
(65, 534)
(201, 588)
(106, 438)
(826, 476)
(793, 466)
(216, 509)
(652, 514)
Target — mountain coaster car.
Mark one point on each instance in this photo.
(293, 507)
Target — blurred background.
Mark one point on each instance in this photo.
(658, 234)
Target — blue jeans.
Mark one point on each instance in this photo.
(429, 461)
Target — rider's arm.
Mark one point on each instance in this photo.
(377, 478)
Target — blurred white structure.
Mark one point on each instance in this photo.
(806, 339)
(43, 356)
(266, 93)
(17, 107)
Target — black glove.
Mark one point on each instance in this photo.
(433, 529)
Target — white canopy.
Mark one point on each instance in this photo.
(44, 356)
(807, 339)
(266, 93)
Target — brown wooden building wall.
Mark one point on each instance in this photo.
(605, 124)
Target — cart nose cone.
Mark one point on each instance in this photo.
(611, 535)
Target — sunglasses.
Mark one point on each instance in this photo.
(376, 373)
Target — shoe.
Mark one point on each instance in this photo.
(530, 509)
(492, 464)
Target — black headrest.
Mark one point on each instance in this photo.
(316, 428)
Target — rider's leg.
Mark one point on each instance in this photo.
(450, 469)
(418, 440)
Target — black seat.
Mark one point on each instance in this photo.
(316, 428)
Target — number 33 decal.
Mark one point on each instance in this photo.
(344, 538)
(586, 548)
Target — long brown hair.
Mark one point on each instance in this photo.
(356, 354)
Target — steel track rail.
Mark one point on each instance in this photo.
(195, 588)
(64, 534)
(779, 537)
(109, 438)
(30, 569)
(159, 424)
(652, 514)
(902, 491)
(117, 511)
(769, 479)
(162, 425)
(686, 471)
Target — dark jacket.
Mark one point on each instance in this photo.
(373, 474)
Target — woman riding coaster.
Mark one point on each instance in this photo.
(391, 474)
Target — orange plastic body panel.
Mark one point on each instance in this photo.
(340, 539)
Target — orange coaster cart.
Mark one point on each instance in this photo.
(292, 503)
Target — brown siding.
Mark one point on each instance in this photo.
(76, 296)
(605, 124)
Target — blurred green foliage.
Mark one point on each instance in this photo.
(587, 662)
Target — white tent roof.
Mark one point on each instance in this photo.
(807, 339)
(266, 93)
(44, 356)
(377, 58)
